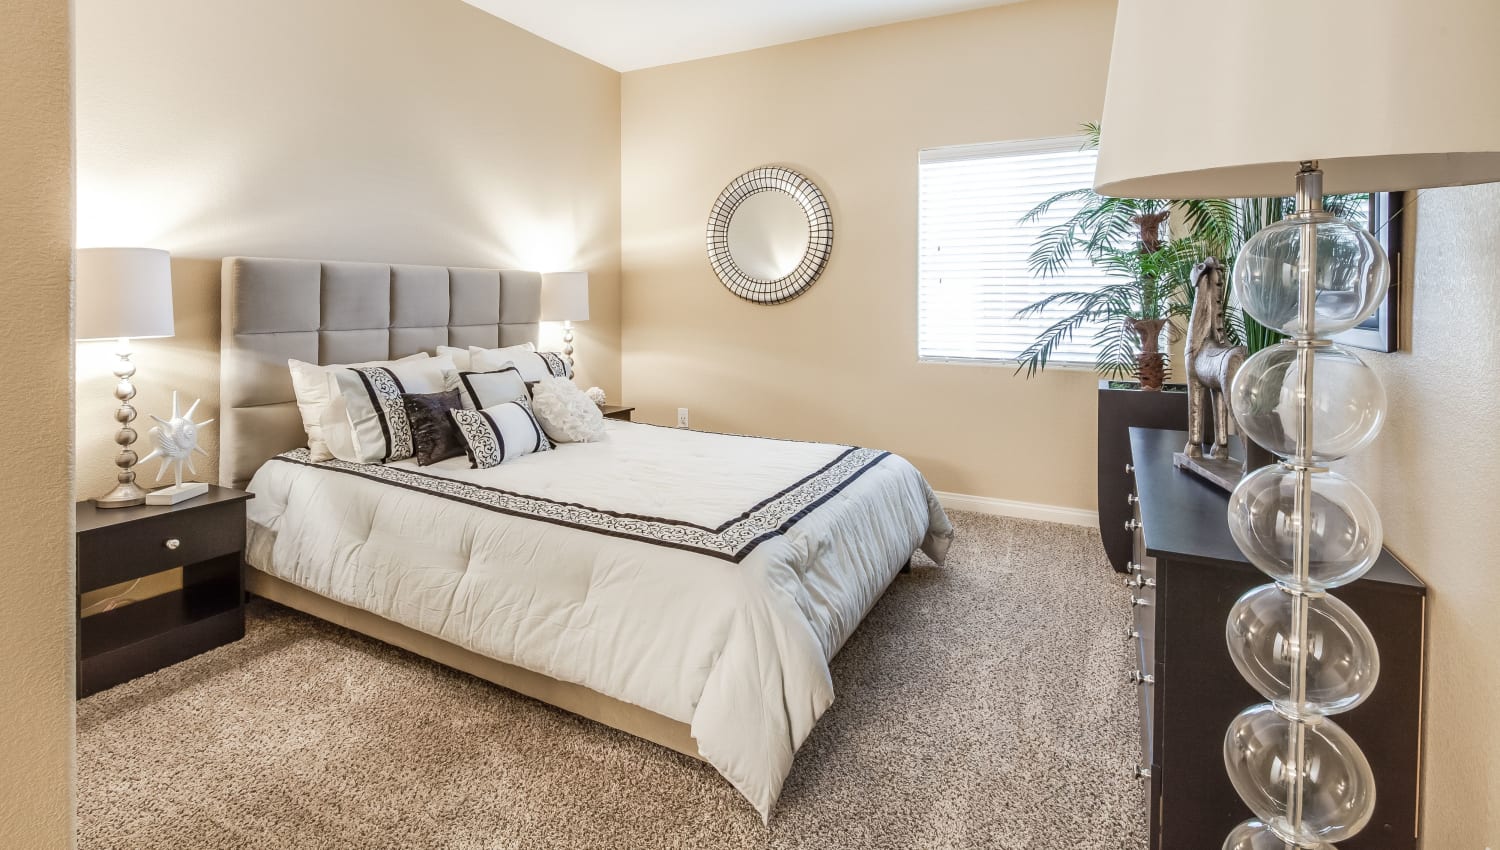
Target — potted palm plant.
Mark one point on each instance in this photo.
(1150, 293)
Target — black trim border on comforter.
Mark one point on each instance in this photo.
(732, 540)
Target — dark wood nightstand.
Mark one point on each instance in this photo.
(206, 537)
(616, 411)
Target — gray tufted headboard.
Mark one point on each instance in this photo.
(342, 312)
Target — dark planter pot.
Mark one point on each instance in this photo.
(1123, 406)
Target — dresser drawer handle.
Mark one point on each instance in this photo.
(1132, 524)
(1129, 469)
(1132, 633)
(1140, 581)
(1139, 601)
(1139, 678)
(1142, 772)
(172, 543)
(1131, 498)
(1132, 567)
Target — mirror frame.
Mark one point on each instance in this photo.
(819, 242)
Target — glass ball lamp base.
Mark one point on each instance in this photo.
(1308, 276)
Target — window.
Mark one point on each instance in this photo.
(972, 255)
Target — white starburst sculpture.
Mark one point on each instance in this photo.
(176, 439)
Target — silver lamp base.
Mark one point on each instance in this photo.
(125, 495)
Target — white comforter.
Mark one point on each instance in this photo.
(705, 577)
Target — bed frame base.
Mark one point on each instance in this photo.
(567, 696)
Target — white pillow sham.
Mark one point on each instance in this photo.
(367, 422)
(461, 355)
(500, 433)
(565, 413)
(310, 384)
(487, 389)
(534, 365)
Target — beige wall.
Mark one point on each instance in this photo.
(1435, 476)
(409, 131)
(36, 503)
(839, 363)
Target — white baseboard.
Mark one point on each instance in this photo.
(1019, 510)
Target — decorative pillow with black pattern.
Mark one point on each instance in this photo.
(434, 436)
(369, 399)
(487, 389)
(500, 433)
(534, 365)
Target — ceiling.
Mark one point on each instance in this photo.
(631, 34)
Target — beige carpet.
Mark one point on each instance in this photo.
(982, 704)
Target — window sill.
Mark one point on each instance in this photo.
(1066, 366)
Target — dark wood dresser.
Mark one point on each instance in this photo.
(1185, 575)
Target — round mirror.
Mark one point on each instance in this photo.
(769, 235)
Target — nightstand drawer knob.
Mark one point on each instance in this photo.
(1132, 524)
(1131, 498)
(1139, 678)
(172, 543)
(1129, 469)
(1142, 772)
(1132, 633)
(1138, 601)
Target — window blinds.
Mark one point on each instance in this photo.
(972, 255)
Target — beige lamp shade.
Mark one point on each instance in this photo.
(1224, 98)
(123, 292)
(565, 297)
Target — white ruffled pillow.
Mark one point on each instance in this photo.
(566, 414)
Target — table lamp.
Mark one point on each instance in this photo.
(1277, 103)
(123, 294)
(565, 298)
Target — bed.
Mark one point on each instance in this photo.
(687, 587)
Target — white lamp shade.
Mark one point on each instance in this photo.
(565, 297)
(1224, 98)
(123, 292)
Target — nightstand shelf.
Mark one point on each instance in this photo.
(616, 411)
(204, 536)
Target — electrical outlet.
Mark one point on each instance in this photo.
(682, 419)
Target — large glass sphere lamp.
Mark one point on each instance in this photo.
(1266, 118)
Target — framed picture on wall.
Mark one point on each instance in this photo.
(1379, 332)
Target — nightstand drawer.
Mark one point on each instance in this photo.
(151, 544)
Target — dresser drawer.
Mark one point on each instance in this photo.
(1147, 703)
(1141, 580)
(151, 544)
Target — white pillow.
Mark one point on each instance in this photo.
(487, 389)
(566, 414)
(534, 365)
(368, 400)
(310, 384)
(500, 433)
(461, 355)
